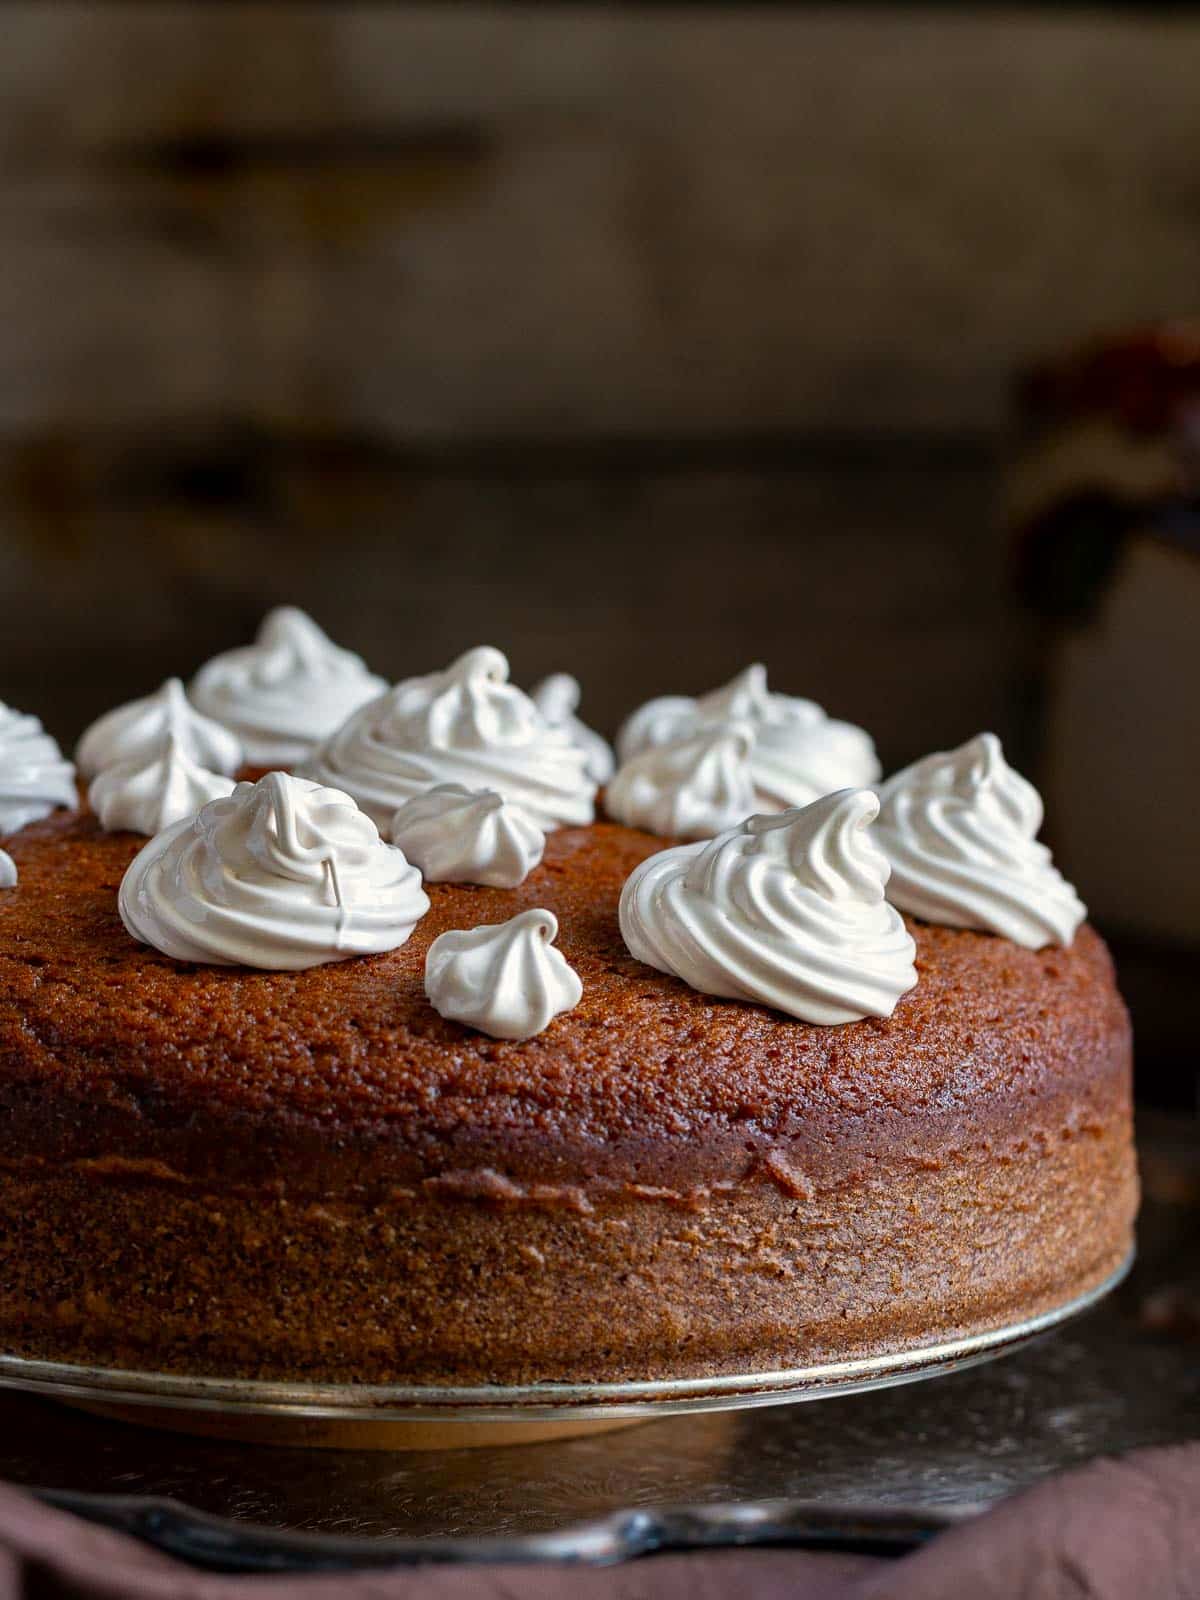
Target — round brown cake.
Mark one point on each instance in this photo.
(312, 1175)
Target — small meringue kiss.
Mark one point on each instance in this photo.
(459, 835)
(132, 732)
(8, 871)
(148, 794)
(505, 979)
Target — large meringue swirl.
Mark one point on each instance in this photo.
(284, 874)
(688, 789)
(466, 725)
(506, 979)
(786, 910)
(960, 830)
(799, 752)
(149, 793)
(457, 835)
(557, 698)
(35, 777)
(286, 692)
(135, 731)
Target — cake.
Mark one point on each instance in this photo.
(309, 1173)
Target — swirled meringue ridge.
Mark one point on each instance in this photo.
(457, 835)
(8, 871)
(799, 752)
(505, 979)
(283, 874)
(35, 777)
(466, 725)
(787, 910)
(959, 830)
(286, 692)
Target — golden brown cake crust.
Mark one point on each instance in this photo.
(219, 1070)
(313, 1174)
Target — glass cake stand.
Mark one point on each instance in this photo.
(414, 1417)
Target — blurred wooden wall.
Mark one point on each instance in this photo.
(637, 340)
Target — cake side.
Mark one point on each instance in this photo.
(471, 1290)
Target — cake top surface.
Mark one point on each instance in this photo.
(352, 1057)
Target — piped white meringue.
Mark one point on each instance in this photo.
(285, 693)
(282, 874)
(8, 871)
(35, 776)
(153, 791)
(457, 835)
(691, 788)
(465, 725)
(959, 830)
(135, 731)
(557, 698)
(506, 979)
(786, 910)
(799, 752)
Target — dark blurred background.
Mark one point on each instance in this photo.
(639, 340)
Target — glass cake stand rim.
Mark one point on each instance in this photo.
(537, 1402)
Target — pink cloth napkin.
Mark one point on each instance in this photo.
(1114, 1530)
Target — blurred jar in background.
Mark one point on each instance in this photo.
(1105, 500)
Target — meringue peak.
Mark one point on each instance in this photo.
(157, 788)
(689, 788)
(799, 752)
(133, 732)
(281, 874)
(745, 695)
(787, 910)
(35, 776)
(286, 692)
(960, 831)
(828, 845)
(288, 630)
(467, 725)
(557, 698)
